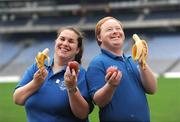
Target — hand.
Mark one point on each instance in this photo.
(70, 78)
(40, 75)
(113, 78)
(141, 58)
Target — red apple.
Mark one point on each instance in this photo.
(74, 65)
(112, 69)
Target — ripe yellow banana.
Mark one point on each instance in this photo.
(145, 53)
(139, 50)
(41, 57)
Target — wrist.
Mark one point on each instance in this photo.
(37, 83)
(143, 67)
(72, 89)
(111, 85)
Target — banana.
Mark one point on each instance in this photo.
(145, 53)
(41, 57)
(139, 50)
(137, 47)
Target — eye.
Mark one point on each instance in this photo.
(71, 41)
(109, 29)
(61, 38)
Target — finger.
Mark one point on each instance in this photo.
(108, 75)
(41, 75)
(118, 76)
(74, 74)
(113, 76)
(67, 72)
(37, 75)
(140, 58)
(42, 70)
(44, 73)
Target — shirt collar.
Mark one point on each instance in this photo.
(51, 62)
(109, 54)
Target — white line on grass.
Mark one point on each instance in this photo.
(172, 75)
(9, 79)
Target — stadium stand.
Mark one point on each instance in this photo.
(25, 57)
(57, 20)
(176, 67)
(8, 51)
(166, 14)
(156, 21)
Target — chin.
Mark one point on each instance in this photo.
(62, 56)
(117, 45)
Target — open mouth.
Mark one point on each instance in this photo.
(115, 37)
(64, 49)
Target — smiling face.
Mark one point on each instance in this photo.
(66, 46)
(111, 35)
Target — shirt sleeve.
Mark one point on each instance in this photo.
(83, 87)
(95, 77)
(28, 76)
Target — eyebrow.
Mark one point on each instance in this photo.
(69, 38)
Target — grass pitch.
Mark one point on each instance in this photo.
(164, 105)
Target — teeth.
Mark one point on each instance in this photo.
(64, 49)
(115, 37)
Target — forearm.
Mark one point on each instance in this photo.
(149, 80)
(22, 93)
(104, 95)
(79, 106)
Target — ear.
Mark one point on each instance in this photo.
(77, 51)
(99, 38)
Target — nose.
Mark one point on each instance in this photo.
(115, 31)
(65, 42)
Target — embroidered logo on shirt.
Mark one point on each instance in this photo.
(61, 84)
(57, 81)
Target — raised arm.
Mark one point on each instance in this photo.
(148, 79)
(78, 104)
(104, 95)
(22, 93)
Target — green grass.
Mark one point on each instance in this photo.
(164, 105)
(94, 115)
(9, 112)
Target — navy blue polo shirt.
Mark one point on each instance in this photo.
(50, 103)
(129, 101)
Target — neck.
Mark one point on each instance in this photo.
(114, 51)
(59, 63)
